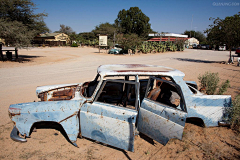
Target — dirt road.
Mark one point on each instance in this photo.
(46, 66)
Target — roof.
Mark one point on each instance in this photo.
(50, 34)
(168, 35)
(167, 39)
(137, 69)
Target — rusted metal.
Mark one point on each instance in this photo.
(65, 94)
(43, 96)
(68, 117)
(136, 69)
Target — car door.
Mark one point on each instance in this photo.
(162, 114)
(110, 118)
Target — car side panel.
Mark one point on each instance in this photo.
(210, 108)
(109, 124)
(160, 122)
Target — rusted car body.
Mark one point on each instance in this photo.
(120, 102)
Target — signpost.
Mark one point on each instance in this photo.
(102, 41)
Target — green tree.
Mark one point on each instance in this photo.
(87, 35)
(105, 28)
(74, 37)
(129, 41)
(133, 21)
(225, 31)
(18, 23)
(198, 35)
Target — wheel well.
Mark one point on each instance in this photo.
(196, 121)
(49, 125)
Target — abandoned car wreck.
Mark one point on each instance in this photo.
(120, 102)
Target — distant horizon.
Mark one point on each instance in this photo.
(170, 16)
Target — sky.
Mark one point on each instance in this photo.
(174, 16)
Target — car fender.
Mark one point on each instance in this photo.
(24, 115)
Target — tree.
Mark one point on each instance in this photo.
(105, 28)
(198, 35)
(88, 36)
(65, 29)
(133, 21)
(225, 31)
(74, 37)
(18, 23)
(129, 41)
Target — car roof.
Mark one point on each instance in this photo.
(137, 69)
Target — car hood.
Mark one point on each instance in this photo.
(41, 89)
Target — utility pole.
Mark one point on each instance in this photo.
(114, 39)
(195, 31)
(191, 26)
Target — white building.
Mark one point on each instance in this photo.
(189, 42)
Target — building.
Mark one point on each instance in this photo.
(163, 37)
(2, 41)
(52, 39)
(192, 41)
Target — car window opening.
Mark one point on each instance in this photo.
(120, 94)
(165, 93)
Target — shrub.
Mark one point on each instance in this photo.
(209, 83)
(223, 87)
(234, 113)
(74, 45)
(180, 45)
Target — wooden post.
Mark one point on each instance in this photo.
(1, 53)
(16, 52)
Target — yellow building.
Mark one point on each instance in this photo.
(2, 41)
(52, 39)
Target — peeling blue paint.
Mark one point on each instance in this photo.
(109, 124)
(115, 125)
(33, 112)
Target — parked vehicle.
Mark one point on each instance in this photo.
(222, 48)
(199, 46)
(120, 102)
(238, 51)
(208, 47)
(194, 46)
(203, 46)
(116, 50)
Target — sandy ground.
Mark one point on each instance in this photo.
(46, 66)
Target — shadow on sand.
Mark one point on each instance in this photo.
(21, 58)
(197, 60)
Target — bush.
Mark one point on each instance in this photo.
(223, 87)
(234, 113)
(180, 44)
(74, 45)
(209, 84)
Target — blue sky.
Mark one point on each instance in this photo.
(173, 16)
